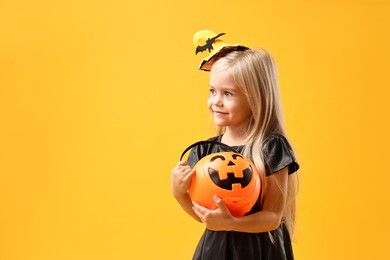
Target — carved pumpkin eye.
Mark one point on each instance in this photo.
(234, 156)
(217, 157)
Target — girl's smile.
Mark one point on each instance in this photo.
(219, 113)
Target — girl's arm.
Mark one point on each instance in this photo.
(181, 177)
(268, 219)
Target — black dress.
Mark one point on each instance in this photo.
(231, 245)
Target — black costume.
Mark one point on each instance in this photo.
(231, 245)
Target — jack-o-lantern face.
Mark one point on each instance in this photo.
(226, 177)
(230, 176)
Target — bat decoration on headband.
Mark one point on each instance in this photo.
(215, 45)
(209, 44)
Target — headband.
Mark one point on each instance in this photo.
(206, 40)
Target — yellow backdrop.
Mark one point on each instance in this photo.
(99, 98)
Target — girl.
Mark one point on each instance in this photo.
(245, 105)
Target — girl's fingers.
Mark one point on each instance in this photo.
(221, 205)
(199, 209)
(190, 174)
(182, 163)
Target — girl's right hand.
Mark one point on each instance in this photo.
(181, 177)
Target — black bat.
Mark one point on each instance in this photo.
(228, 183)
(208, 45)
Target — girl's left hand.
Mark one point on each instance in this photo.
(218, 219)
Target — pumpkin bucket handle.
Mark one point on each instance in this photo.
(207, 142)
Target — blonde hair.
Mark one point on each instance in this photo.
(254, 72)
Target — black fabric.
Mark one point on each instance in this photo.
(277, 151)
(230, 245)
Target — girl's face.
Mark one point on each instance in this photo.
(227, 104)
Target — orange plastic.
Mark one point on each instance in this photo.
(230, 176)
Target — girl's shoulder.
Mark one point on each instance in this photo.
(279, 153)
(276, 141)
(275, 138)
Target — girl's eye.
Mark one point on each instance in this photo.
(228, 94)
(212, 92)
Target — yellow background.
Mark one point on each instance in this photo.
(99, 98)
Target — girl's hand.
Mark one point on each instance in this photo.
(181, 177)
(218, 219)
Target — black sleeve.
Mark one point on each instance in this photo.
(279, 154)
(194, 156)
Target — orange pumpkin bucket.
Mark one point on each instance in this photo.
(229, 175)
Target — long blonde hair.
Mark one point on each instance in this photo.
(254, 72)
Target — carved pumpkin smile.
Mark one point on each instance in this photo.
(227, 180)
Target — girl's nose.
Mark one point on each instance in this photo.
(217, 100)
